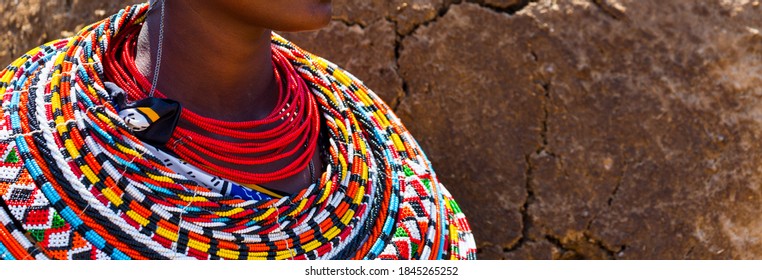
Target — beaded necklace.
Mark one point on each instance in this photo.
(292, 133)
(76, 183)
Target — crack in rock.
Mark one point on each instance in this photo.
(397, 52)
(510, 9)
(526, 217)
(618, 184)
(609, 10)
(348, 22)
(564, 251)
(440, 13)
(611, 197)
(610, 254)
(687, 254)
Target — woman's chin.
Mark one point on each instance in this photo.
(319, 17)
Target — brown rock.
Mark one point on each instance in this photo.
(645, 146)
(362, 12)
(540, 250)
(503, 4)
(649, 129)
(407, 14)
(476, 114)
(375, 64)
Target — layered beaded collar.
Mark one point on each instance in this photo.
(71, 167)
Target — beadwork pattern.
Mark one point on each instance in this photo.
(76, 184)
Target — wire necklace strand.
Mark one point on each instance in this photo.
(294, 121)
(160, 47)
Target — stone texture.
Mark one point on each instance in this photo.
(375, 65)
(460, 101)
(649, 129)
(406, 14)
(576, 129)
(502, 4)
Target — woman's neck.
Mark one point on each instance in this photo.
(210, 63)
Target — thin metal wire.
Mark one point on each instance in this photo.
(157, 67)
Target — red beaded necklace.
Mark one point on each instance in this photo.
(288, 134)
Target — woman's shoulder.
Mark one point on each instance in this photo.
(26, 83)
(27, 71)
(49, 61)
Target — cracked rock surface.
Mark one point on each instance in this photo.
(594, 129)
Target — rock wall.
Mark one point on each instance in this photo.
(602, 129)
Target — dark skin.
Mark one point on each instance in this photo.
(216, 60)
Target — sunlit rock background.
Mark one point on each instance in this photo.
(601, 129)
